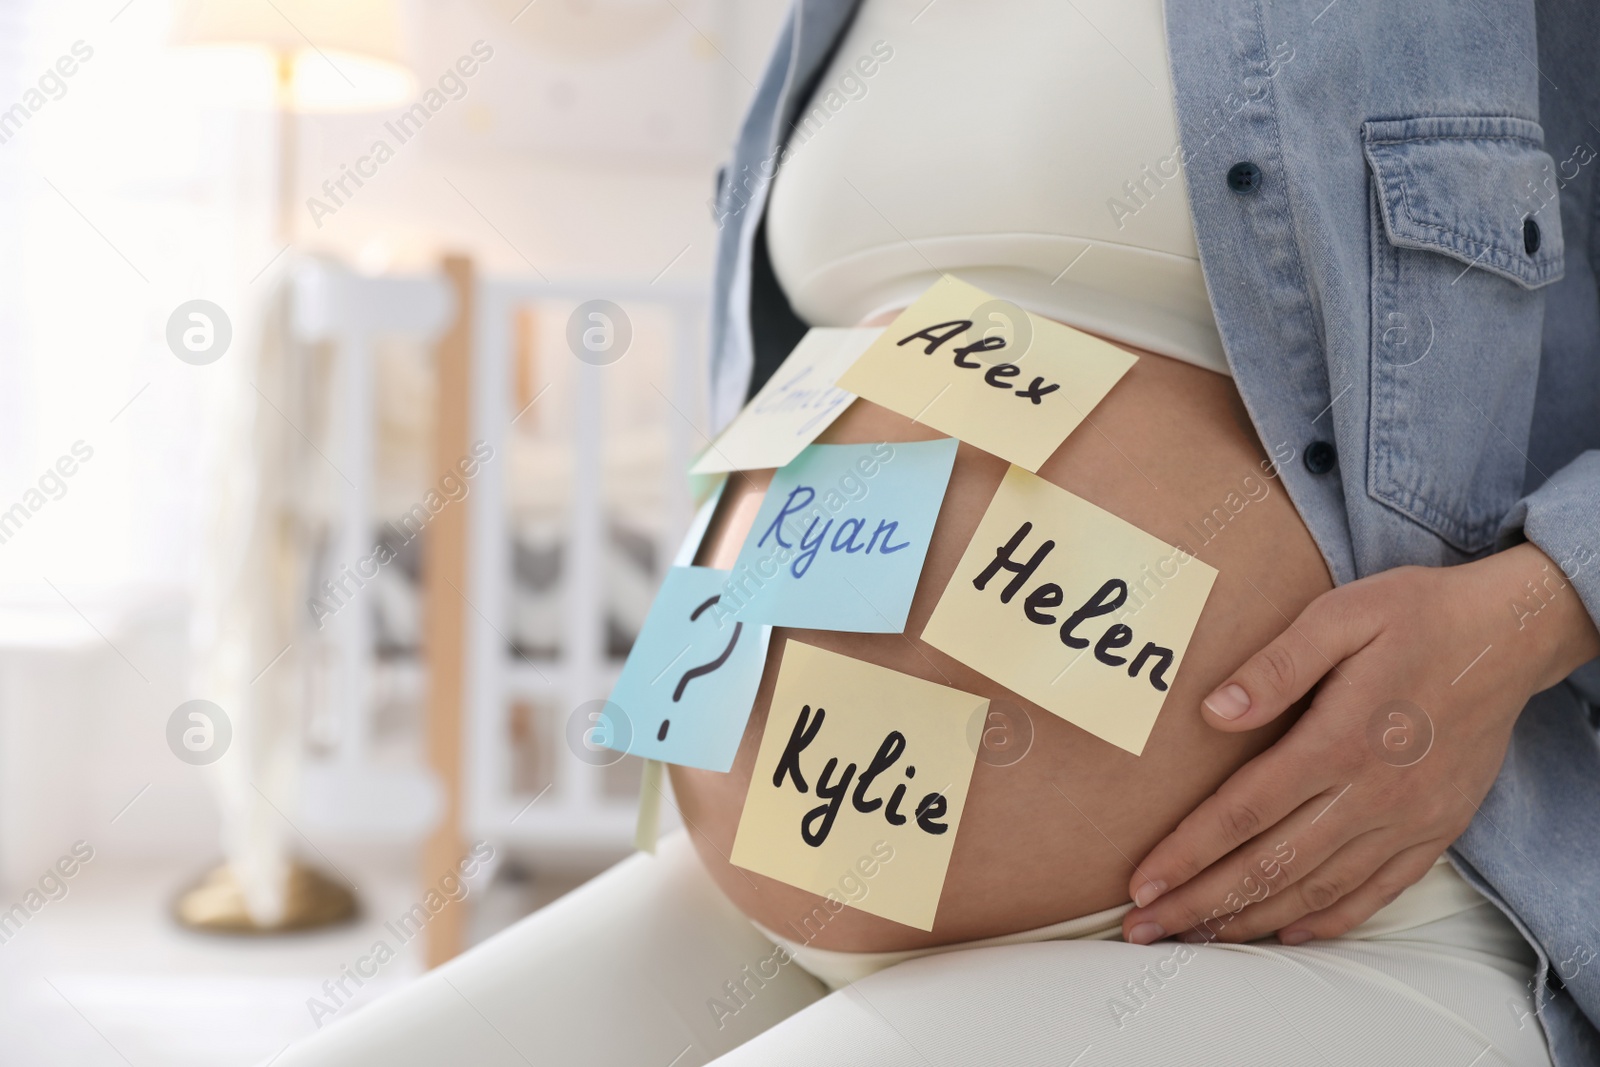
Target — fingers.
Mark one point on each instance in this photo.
(1328, 631)
(1258, 796)
(1316, 887)
(1263, 868)
(1361, 904)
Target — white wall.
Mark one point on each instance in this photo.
(585, 147)
(589, 141)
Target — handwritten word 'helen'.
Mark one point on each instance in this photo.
(1108, 598)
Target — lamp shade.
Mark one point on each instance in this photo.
(340, 56)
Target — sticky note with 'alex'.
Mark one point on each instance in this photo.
(1015, 391)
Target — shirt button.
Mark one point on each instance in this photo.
(1244, 177)
(1321, 457)
(1530, 236)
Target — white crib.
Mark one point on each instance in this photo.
(348, 788)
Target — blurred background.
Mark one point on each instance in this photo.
(351, 356)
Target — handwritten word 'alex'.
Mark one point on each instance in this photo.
(998, 375)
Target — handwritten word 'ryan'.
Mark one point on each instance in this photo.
(843, 541)
(999, 375)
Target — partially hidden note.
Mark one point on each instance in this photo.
(1072, 607)
(840, 538)
(692, 537)
(686, 690)
(1015, 392)
(798, 402)
(856, 757)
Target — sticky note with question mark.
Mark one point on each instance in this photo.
(688, 685)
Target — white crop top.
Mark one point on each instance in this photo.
(1025, 147)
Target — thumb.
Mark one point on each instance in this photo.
(1285, 670)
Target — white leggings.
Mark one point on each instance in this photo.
(629, 970)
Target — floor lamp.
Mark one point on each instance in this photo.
(317, 56)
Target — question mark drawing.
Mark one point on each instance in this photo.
(705, 668)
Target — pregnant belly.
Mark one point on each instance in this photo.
(1054, 835)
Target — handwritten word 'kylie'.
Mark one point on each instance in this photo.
(845, 539)
(818, 821)
(998, 375)
(1108, 598)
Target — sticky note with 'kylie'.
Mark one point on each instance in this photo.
(859, 764)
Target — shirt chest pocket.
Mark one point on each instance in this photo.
(1465, 231)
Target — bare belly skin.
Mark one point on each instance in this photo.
(1055, 835)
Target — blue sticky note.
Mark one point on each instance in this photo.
(691, 678)
(839, 540)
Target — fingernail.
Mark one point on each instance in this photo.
(1295, 937)
(1144, 933)
(1229, 702)
(1148, 893)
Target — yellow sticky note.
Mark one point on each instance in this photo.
(1079, 611)
(859, 766)
(798, 402)
(1015, 392)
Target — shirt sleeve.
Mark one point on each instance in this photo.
(1562, 517)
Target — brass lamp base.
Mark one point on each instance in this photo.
(216, 905)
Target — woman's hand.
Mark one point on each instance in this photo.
(1424, 671)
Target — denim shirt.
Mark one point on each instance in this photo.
(1405, 286)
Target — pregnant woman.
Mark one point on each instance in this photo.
(1335, 237)
(935, 161)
